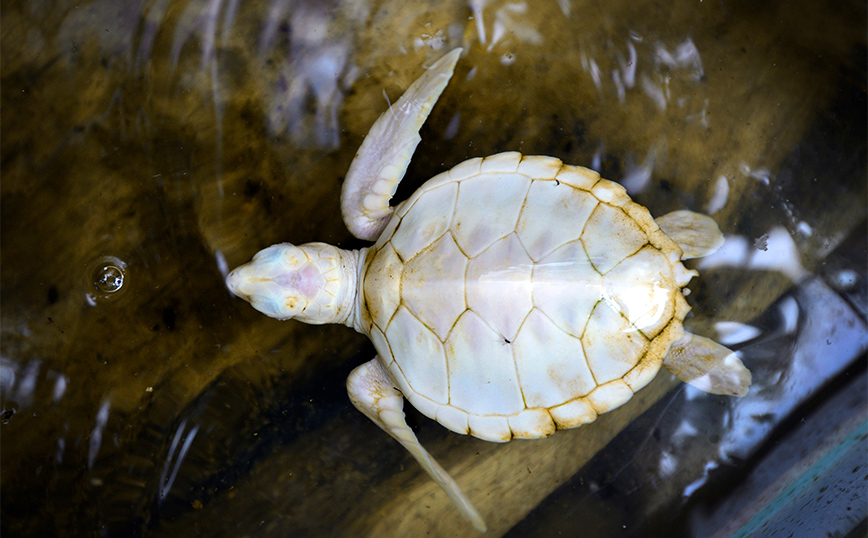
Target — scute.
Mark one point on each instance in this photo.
(404, 207)
(642, 286)
(453, 418)
(420, 228)
(476, 225)
(610, 395)
(610, 236)
(381, 344)
(573, 414)
(482, 375)
(532, 424)
(539, 167)
(578, 176)
(419, 355)
(612, 345)
(611, 193)
(383, 285)
(548, 202)
(490, 428)
(647, 368)
(468, 169)
(507, 161)
(437, 272)
(567, 287)
(499, 285)
(422, 403)
(551, 363)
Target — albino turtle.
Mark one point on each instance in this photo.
(510, 296)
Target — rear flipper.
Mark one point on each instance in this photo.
(696, 234)
(708, 366)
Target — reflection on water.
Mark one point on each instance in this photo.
(148, 146)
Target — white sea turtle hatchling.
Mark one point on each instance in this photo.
(510, 296)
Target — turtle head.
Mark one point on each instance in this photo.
(313, 283)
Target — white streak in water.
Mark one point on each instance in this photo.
(59, 388)
(780, 254)
(789, 310)
(27, 383)
(167, 480)
(654, 92)
(452, 128)
(96, 435)
(476, 7)
(597, 159)
(733, 332)
(692, 487)
(719, 195)
(8, 375)
(595, 73)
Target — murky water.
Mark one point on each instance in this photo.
(148, 147)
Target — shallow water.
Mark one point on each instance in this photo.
(148, 148)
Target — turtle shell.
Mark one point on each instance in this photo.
(512, 296)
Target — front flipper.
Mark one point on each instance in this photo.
(708, 366)
(696, 234)
(383, 157)
(373, 393)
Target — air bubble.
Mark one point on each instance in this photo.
(109, 279)
(106, 278)
(845, 280)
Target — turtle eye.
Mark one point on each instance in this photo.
(292, 257)
(266, 254)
